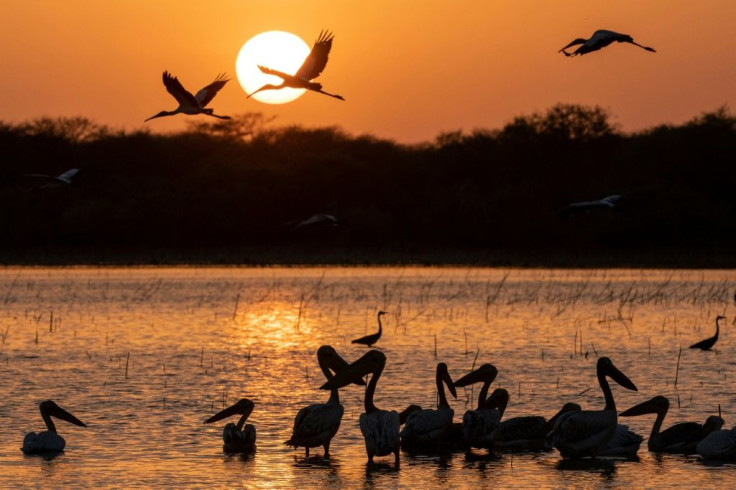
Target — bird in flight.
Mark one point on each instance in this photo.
(580, 207)
(601, 39)
(313, 65)
(188, 103)
(58, 181)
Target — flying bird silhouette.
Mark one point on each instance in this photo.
(58, 181)
(583, 206)
(313, 65)
(601, 39)
(188, 103)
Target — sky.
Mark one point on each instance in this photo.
(408, 69)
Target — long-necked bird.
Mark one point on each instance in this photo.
(188, 103)
(707, 344)
(49, 441)
(236, 438)
(313, 65)
(601, 39)
(371, 339)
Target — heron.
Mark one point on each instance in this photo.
(708, 343)
(49, 441)
(601, 39)
(188, 103)
(313, 65)
(371, 339)
(236, 438)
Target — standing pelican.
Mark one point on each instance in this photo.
(310, 69)
(49, 440)
(237, 439)
(586, 433)
(380, 428)
(188, 103)
(600, 39)
(316, 425)
(681, 438)
(708, 343)
(480, 425)
(427, 428)
(719, 444)
(371, 339)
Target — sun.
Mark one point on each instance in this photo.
(282, 51)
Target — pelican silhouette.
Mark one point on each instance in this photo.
(708, 343)
(58, 181)
(313, 65)
(427, 429)
(315, 425)
(680, 438)
(48, 440)
(480, 425)
(236, 438)
(601, 39)
(371, 339)
(380, 428)
(719, 444)
(188, 103)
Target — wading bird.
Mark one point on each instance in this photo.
(601, 39)
(480, 425)
(310, 69)
(58, 181)
(583, 206)
(371, 339)
(680, 438)
(426, 429)
(236, 438)
(583, 433)
(48, 440)
(188, 103)
(380, 428)
(316, 425)
(708, 343)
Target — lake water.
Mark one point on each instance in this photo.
(194, 339)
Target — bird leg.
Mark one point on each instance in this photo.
(327, 449)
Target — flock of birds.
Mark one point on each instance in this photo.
(574, 432)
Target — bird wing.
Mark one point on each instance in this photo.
(67, 176)
(517, 428)
(611, 200)
(317, 59)
(679, 434)
(175, 88)
(603, 34)
(316, 424)
(205, 95)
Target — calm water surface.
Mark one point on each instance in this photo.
(194, 339)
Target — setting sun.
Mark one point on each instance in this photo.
(279, 50)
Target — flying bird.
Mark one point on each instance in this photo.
(601, 39)
(188, 103)
(313, 65)
(708, 343)
(580, 207)
(58, 181)
(236, 438)
(49, 441)
(371, 339)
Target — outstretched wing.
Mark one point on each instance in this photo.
(174, 87)
(205, 95)
(317, 59)
(67, 176)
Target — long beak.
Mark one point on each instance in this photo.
(479, 375)
(237, 409)
(621, 378)
(358, 369)
(573, 43)
(62, 414)
(265, 87)
(152, 117)
(338, 364)
(641, 409)
(448, 381)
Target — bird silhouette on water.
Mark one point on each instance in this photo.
(371, 339)
(708, 343)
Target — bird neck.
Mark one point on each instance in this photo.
(717, 327)
(241, 422)
(661, 413)
(371, 390)
(441, 392)
(380, 326)
(47, 420)
(334, 394)
(610, 404)
(483, 394)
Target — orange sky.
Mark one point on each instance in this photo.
(409, 69)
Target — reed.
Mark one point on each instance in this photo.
(127, 361)
(235, 309)
(677, 369)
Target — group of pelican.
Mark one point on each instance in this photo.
(574, 432)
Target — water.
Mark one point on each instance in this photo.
(198, 338)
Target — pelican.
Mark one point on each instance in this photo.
(380, 428)
(681, 438)
(480, 425)
(579, 207)
(719, 444)
(316, 425)
(429, 427)
(708, 343)
(404, 414)
(188, 103)
(58, 181)
(586, 433)
(310, 69)
(601, 39)
(48, 440)
(371, 339)
(237, 439)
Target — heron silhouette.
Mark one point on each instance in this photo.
(708, 343)
(188, 103)
(371, 339)
(601, 39)
(313, 65)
